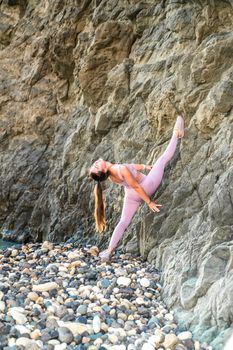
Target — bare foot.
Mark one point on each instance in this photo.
(105, 255)
(179, 127)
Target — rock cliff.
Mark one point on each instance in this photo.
(84, 79)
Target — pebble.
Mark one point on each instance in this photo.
(169, 317)
(75, 328)
(44, 287)
(58, 297)
(35, 334)
(22, 329)
(14, 253)
(82, 309)
(2, 306)
(17, 315)
(113, 338)
(145, 282)
(54, 342)
(105, 283)
(47, 246)
(65, 335)
(148, 346)
(123, 281)
(33, 296)
(184, 335)
(96, 324)
(60, 346)
(157, 339)
(170, 341)
(26, 342)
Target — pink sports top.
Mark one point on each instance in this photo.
(133, 171)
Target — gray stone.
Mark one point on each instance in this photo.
(65, 335)
(82, 309)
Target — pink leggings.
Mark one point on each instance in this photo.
(150, 183)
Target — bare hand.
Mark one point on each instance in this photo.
(147, 167)
(154, 207)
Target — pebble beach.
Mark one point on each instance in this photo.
(57, 297)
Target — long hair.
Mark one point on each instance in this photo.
(99, 213)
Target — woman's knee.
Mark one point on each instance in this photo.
(161, 161)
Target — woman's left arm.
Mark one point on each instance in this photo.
(132, 182)
(140, 167)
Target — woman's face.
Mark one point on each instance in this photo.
(99, 165)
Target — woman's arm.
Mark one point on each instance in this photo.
(132, 182)
(140, 167)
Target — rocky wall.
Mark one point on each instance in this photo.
(84, 79)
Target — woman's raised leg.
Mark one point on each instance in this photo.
(154, 177)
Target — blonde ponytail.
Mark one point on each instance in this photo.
(100, 219)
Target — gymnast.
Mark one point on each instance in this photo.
(138, 187)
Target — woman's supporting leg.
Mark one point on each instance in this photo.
(130, 207)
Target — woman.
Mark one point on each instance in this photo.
(138, 187)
